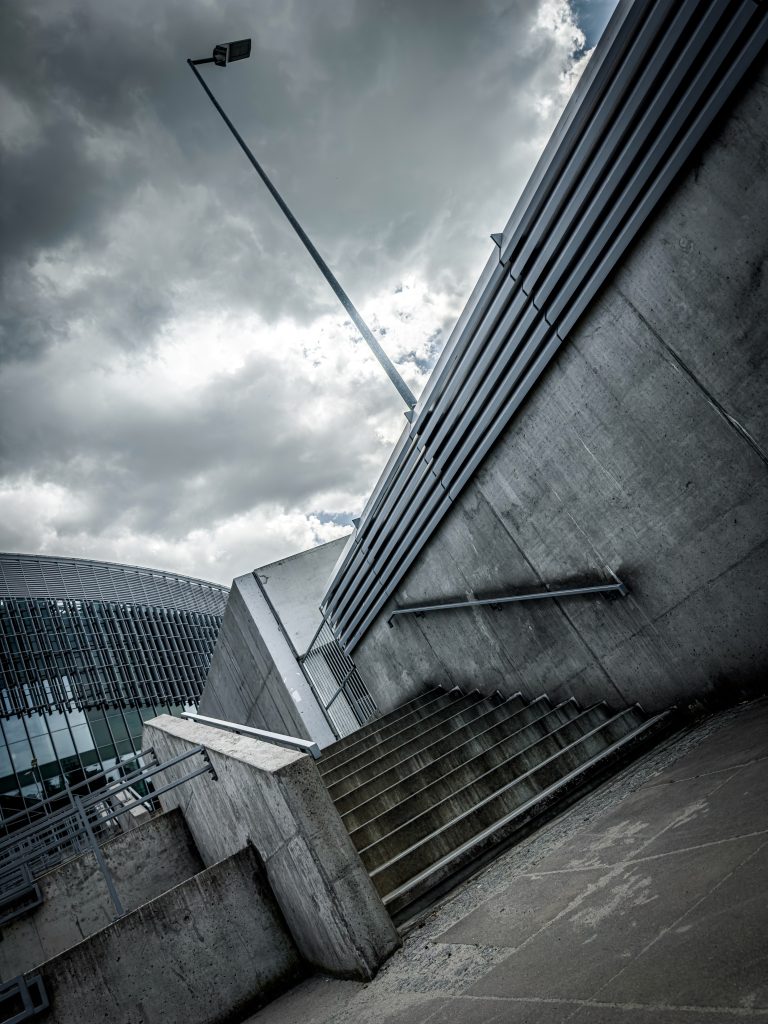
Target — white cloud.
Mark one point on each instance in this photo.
(180, 388)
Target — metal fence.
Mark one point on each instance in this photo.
(84, 825)
(336, 683)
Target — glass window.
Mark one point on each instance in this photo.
(21, 755)
(82, 737)
(62, 741)
(99, 729)
(43, 749)
(36, 725)
(107, 754)
(125, 747)
(118, 725)
(134, 726)
(5, 761)
(14, 729)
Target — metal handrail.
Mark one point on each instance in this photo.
(41, 808)
(82, 827)
(293, 742)
(421, 609)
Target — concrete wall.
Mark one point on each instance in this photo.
(143, 863)
(275, 799)
(209, 950)
(295, 587)
(642, 450)
(254, 678)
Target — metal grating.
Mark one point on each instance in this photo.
(656, 82)
(32, 576)
(336, 683)
(77, 634)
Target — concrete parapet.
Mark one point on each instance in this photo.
(275, 799)
(143, 863)
(212, 949)
(254, 677)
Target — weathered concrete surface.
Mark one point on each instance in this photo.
(295, 586)
(275, 799)
(143, 863)
(642, 450)
(207, 951)
(647, 903)
(254, 678)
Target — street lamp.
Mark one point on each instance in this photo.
(223, 54)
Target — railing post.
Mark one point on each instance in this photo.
(119, 912)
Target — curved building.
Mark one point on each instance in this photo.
(88, 651)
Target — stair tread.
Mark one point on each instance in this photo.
(379, 724)
(375, 786)
(464, 815)
(400, 743)
(535, 739)
(457, 701)
(438, 866)
(484, 779)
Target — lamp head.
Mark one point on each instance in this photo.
(225, 53)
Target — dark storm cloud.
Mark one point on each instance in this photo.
(372, 116)
(401, 132)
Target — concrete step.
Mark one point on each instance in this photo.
(469, 790)
(457, 821)
(354, 774)
(416, 758)
(473, 760)
(414, 773)
(380, 727)
(403, 730)
(442, 873)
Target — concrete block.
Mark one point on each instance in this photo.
(295, 586)
(210, 950)
(143, 863)
(275, 799)
(254, 678)
(699, 275)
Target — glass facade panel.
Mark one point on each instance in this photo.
(88, 652)
(63, 743)
(42, 748)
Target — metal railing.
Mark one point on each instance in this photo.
(83, 826)
(336, 683)
(421, 609)
(22, 998)
(50, 803)
(278, 738)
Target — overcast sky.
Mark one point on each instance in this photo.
(179, 387)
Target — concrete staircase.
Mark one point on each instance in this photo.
(437, 787)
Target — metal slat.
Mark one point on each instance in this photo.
(621, 33)
(611, 181)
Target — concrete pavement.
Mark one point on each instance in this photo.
(646, 902)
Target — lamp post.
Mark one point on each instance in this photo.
(223, 54)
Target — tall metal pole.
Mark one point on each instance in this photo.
(389, 368)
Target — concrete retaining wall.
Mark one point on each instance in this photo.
(642, 450)
(254, 678)
(275, 799)
(210, 950)
(295, 586)
(143, 863)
